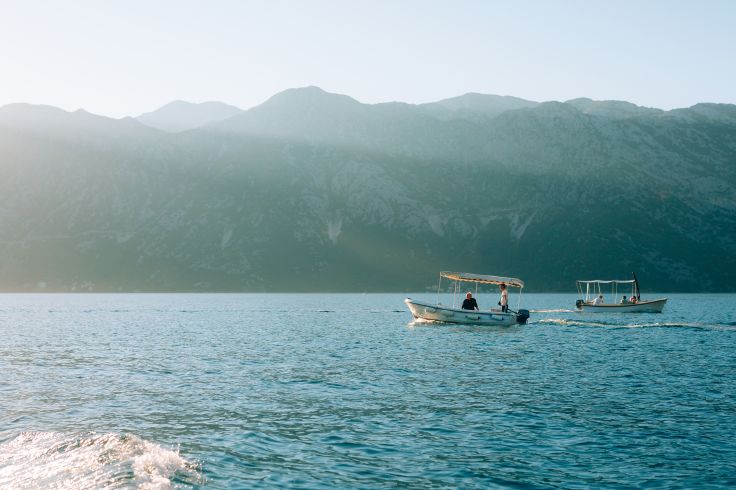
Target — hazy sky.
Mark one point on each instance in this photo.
(126, 57)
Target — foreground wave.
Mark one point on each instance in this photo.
(52, 459)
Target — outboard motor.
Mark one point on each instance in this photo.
(579, 304)
(522, 316)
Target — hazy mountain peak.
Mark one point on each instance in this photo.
(553, 106)
(309, 97)
(306, 113)
(180, 115)
(475, 104)
(26, 110)
(41, 114)
(610, 108)
(53, 122)
(34, 117)
(476, 101)
(705, 111)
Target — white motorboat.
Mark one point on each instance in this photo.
(592, 297)
(438, 312)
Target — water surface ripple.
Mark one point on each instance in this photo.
(317, 391)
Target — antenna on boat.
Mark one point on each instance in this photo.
(636, 285)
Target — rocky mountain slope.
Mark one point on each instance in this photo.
(314, 191)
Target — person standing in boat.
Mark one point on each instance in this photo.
(469, 303)
(504, 298)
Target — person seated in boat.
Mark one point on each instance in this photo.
(633, 300)
(598, 300)
(469, 303)
(623, 300)
(504, 298)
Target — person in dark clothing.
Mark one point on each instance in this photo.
(469, 303)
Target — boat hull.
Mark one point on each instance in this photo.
(653, 306)
(444, 314)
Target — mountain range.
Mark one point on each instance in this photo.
(313, 191)
(180, 115)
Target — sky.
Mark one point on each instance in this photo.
(123, 58)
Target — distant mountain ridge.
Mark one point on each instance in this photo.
(611, 108)
(313, 191)
(474, 104)
(179, 116)
(45, 117)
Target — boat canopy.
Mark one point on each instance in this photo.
(609, 281)
(483, 279)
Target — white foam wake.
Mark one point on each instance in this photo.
(568, 322)
(108, 461)
(584, 323)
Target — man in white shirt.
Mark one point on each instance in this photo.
(598, 300)
(504, 298)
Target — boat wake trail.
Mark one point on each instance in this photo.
(583, 323)
(567, 322)
(51, 459)
(704, 326)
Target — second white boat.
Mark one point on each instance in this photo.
(592, 297)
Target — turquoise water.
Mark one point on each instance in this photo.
(315, 391)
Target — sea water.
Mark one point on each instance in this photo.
(318, 391)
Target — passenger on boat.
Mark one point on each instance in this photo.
(470, 303)
(633, 300)
(504, 298)
(598, 300)
(623, 300)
